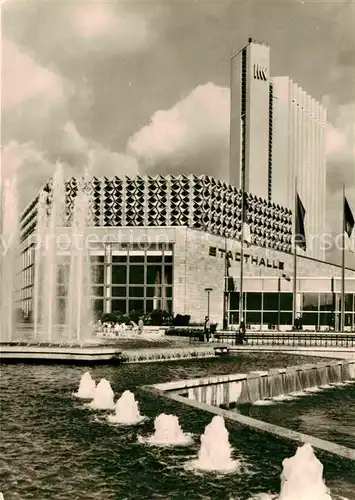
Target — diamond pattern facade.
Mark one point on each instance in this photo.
(199, 202)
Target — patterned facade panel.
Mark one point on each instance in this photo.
(157, 201)
(135, 201)
(111, 201)
(180, 200)
(95, 201)
(200, 202)
(71, 190)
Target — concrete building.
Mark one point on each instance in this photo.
(299, 123)
(249, 128)
(277, 134)
(159, 242)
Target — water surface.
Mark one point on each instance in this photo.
(53, 447)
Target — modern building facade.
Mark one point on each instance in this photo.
(299, 124)
(160, 242)
(249, 127)
(277, 135)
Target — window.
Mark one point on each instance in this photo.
(285, 318)
(153, 291)
(119, 306)
(253, 301)
(310, 318)
(234, 301)
(98, 274)
(270, 318)
(349, 302)
(119, 258)
(234, 318)
(136, 259)
(154, 274)
(119, 275)
(154, 258)
(136, 291)
(326, 301)
(136, 275)
(119, 291)
(168, 270)
(253, 317)
(168, 291)
(136, 305)
(149, 306)
(310, 301)
(286, 301)
(270, 302)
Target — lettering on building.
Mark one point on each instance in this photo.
(251, 259)
(260, 73)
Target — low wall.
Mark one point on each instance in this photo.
(253, 386)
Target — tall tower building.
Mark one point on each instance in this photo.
(249, 128)
(277, 133)
(299, 124)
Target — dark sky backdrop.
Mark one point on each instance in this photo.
(143, 86)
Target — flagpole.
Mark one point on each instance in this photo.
(342, 313)
(295, 259)
(241, 299)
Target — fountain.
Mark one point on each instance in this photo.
(302, 477)
(87, 387)
(167, 432)
(50, 313)
(126, 411)
(215, 450)
(79, 316)
(103, 396)
(52, 295)
(10, 245)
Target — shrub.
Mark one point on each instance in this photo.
(181, 320)
(109, 318)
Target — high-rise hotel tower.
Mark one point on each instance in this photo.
(277, 136)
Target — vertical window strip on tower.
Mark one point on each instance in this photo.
(271, 118)
(243, 108)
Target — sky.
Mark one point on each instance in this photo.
(143, 87)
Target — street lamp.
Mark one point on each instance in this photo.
(208, 290)
(226, 284)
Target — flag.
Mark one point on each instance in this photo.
(246, 227)
(349, 218)
(300, 235)
(230, 279)
(230, 286)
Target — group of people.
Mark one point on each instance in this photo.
(108, 329)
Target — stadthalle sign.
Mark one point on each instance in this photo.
(257, 261)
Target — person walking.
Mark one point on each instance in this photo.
(207, 329)
(242, 330)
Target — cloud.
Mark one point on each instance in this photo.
(28, 165)
(340, 147)
(23, 79)
(78, 30)
(37, 129)
(192, 136)
(33, 168)
(100, 28)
